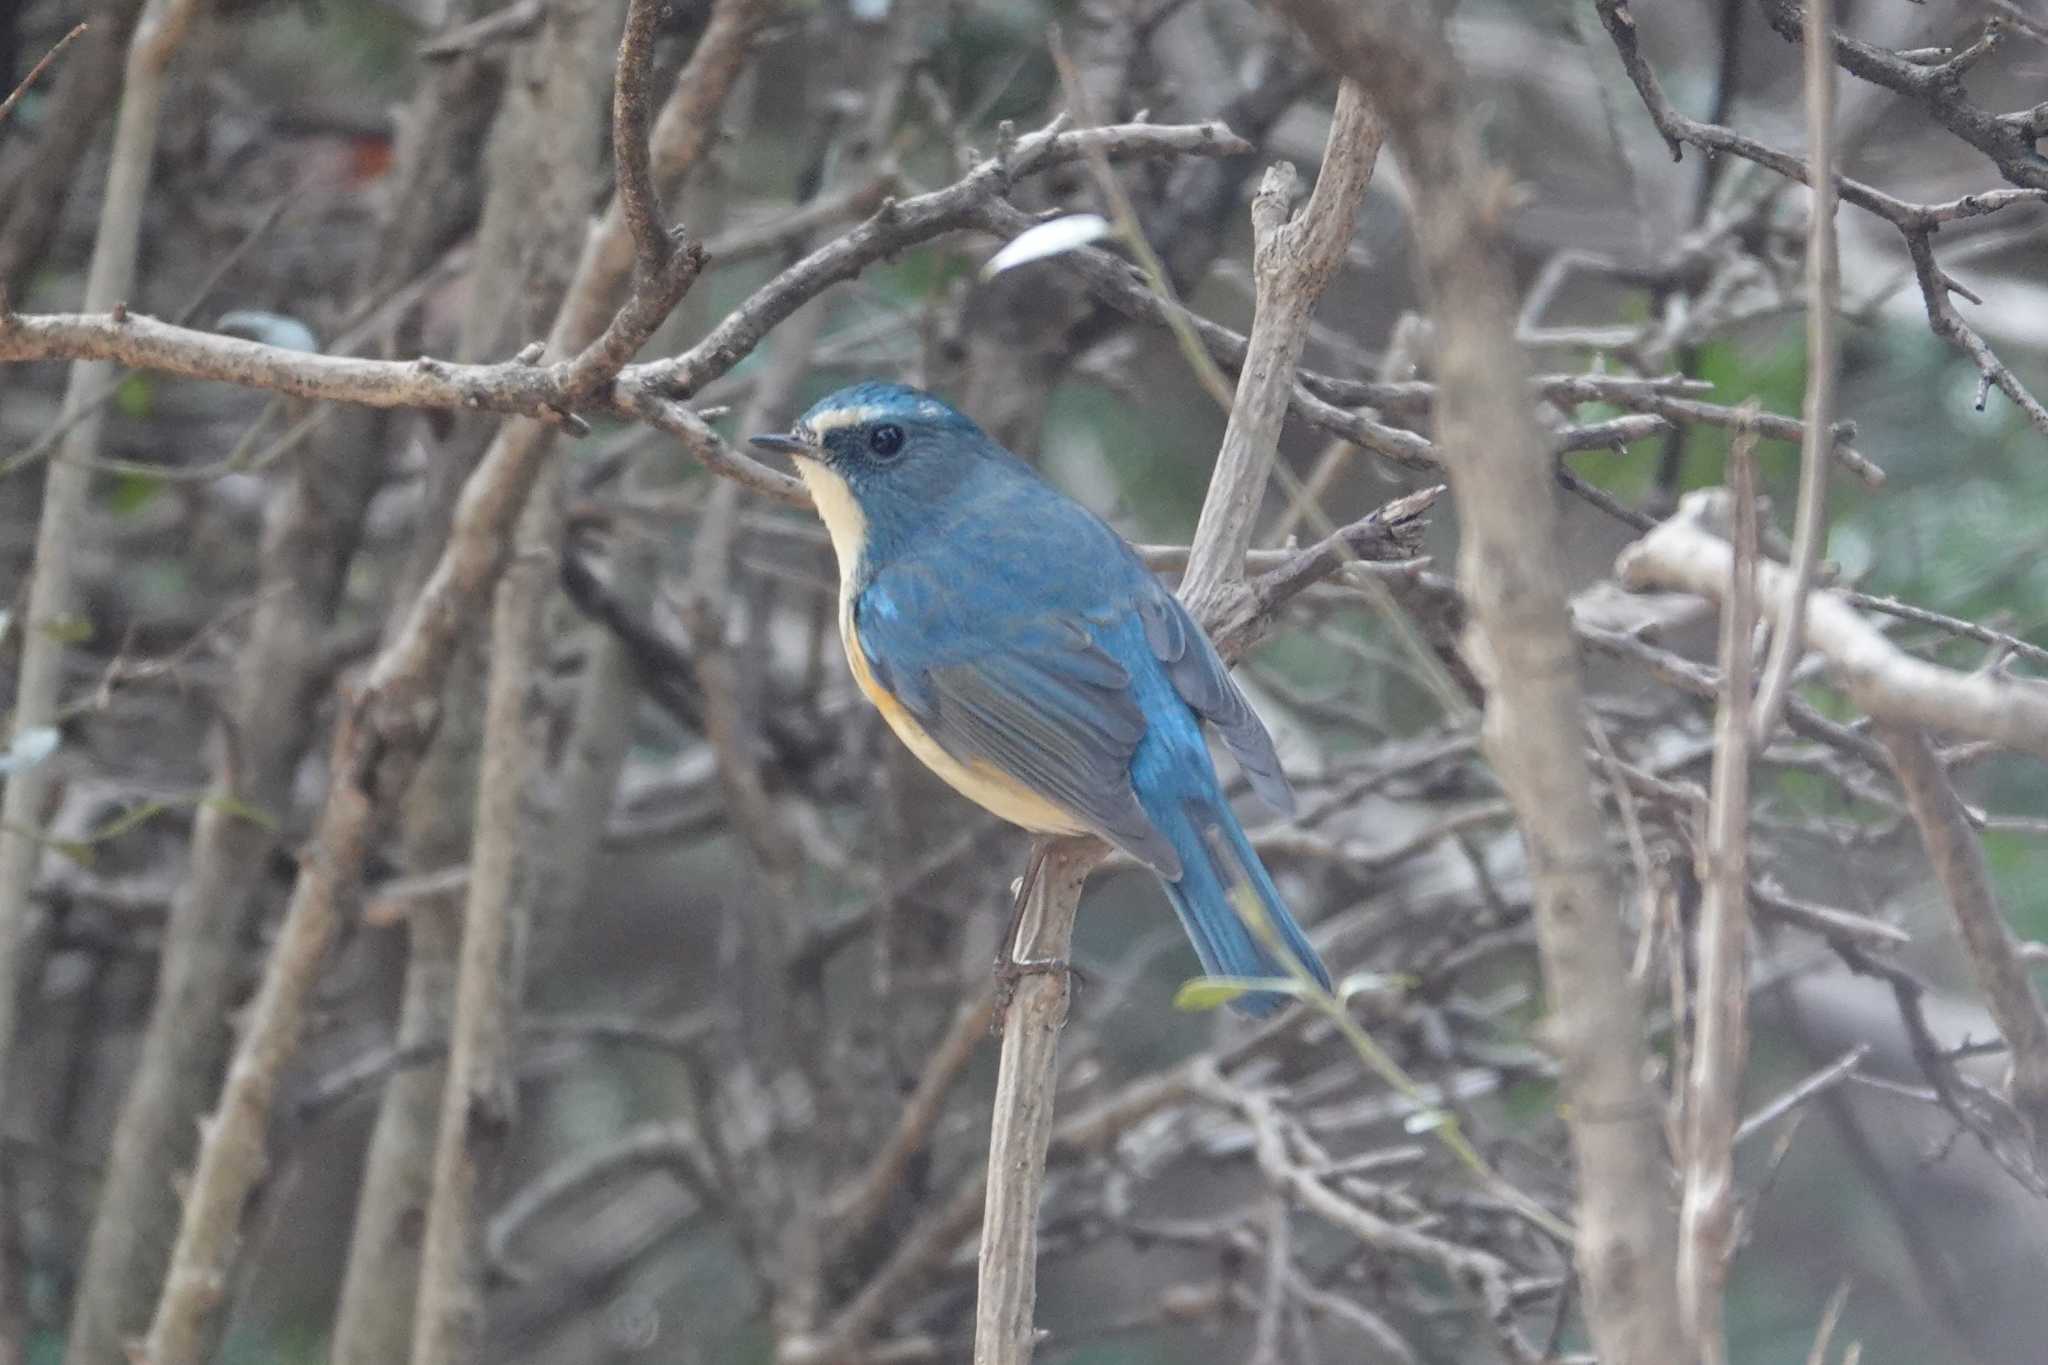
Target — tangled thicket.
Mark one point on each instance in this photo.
(453, 904)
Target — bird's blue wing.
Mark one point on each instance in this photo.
(1203, 682)
(1036, 697)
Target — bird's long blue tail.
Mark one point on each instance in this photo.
(1218, 866)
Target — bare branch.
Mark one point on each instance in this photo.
(1916, 222)
(36, 71)
(1005, 1331)
(1683, 555)
(1484, 1274)
(1939, 87)
(1535, 712)
(1823, 298)
(1706, 1220)
(1936, 285)
(1293, 260)
(1965, 877)
(53, 592)
(544, 392)
(899, 223)
(477, 1095)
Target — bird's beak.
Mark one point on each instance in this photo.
(788, 445)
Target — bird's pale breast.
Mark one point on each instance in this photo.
(982, 783)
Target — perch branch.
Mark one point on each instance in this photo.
(1296, 258)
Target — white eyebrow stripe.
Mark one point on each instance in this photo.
(845, 417)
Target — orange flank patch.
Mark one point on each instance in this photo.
(979, 781)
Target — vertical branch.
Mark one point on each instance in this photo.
(52, 595)
(537, 141)
(1510, 570)
(1294, 261)
(1706, 1215)
(1005, 1331)
(312, 524)
(1823, 296)
(476, 1104)
(454, 110)
(378, 742)
(232, 1149)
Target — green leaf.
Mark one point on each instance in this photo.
(242, 810)
(77, 850)
(134, 396)
(132, 492)
(68, 630)
(1208, 992)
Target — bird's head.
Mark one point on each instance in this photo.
(877, 457)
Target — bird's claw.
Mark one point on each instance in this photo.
(1011, 970)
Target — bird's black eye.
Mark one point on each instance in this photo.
(886, 439)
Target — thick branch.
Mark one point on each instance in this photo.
(1535, 714)
(1683, 555)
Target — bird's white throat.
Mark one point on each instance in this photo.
(840, 511)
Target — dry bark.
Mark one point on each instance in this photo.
(1512, 579)
(52, 595)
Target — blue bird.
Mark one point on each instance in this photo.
(1026, 655)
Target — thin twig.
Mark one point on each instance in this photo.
(1818, 1083)
(1823, 299)
(14, 98)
